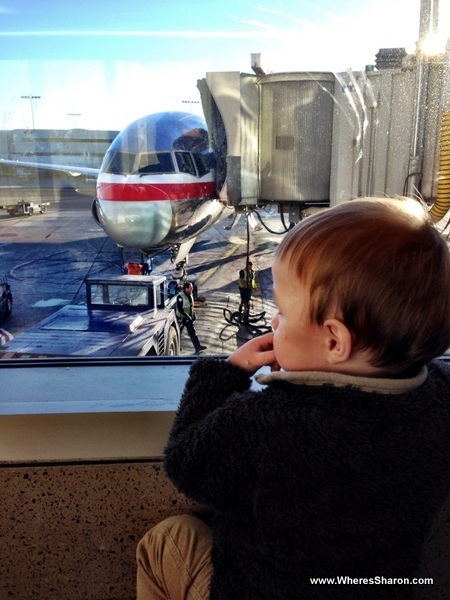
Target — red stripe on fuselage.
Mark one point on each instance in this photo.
(138, 192)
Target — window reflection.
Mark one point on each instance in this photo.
(269, 158)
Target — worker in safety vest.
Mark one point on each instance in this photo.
(246, 284)
(185, 313)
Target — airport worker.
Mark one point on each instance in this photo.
(185, 313)
(246, 284)
(337, 465)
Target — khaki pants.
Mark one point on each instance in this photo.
(174, 560)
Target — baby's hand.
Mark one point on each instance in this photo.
(255, 354)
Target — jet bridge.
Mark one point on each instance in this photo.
(316, 139)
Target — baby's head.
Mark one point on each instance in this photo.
(379, 267)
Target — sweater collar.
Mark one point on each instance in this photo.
(365, 384)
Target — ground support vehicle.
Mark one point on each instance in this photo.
(23, 207)
(18, 200)
(123, 316)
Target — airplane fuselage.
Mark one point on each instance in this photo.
(156, 187)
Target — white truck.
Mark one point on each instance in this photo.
(126, 315)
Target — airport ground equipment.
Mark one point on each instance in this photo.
(20, 200)
(22, 207)
(124, 315)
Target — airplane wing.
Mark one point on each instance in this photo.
(73, 170)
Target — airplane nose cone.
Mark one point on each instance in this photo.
(136, 224)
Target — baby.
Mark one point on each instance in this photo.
(337, 466)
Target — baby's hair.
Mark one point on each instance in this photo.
(382, 268)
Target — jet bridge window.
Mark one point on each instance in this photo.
(156, 162)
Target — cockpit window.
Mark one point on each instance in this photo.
(118, 163)
(156, 162)
(201, 164)
(185, 163)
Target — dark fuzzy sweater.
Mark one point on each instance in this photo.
(311, 480)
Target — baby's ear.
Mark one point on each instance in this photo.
(338, 340)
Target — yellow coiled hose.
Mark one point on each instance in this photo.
(442, 204)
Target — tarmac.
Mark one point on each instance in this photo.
(46, 258)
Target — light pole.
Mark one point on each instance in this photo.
(75, 117)
(31, 98)
(190, 102)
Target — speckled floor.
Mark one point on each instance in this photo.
(69, 532)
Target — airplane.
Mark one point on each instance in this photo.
(156, 186)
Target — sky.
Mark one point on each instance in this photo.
(100, 64)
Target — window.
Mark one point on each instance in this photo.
(185, 163)
(119, 162)
(105, 294)
(245, 100)
(156, 162)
